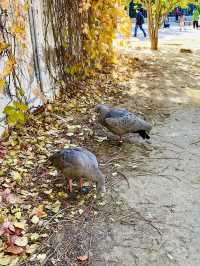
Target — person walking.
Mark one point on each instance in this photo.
(139, 23)
(176, 13)
(195, 18)
(182, 21)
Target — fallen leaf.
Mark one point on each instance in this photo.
(14, 250)
(7, 228)
(101, 139)
(5, 260)
(62, 194)
(56, 207)
(81, 211)
(34, 237)
(16, 176)
(20, 225)
(7, 196)
(48, 191)
(21, 241)
(35, 219)
(31, 249)
(82, 258)
(39, 212)
(18, 215)
(41, 257)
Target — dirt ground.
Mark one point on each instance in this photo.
(161, 223)
(151, 214)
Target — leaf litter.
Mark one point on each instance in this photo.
(34, 203)
(33, 195)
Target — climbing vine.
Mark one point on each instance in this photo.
(78, 40)
(13, 21)
(83, 34)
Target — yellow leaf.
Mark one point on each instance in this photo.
(26, 6)
(9, 66)
(2, 84)
(18, 30)
(20, 225)
(3, 46)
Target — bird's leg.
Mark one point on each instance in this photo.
(70, 185)
(80, 183)
(90, 182)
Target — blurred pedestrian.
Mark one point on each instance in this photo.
(139, 23)
(195, 18)
(182, 21)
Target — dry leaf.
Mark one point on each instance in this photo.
(14, 250)
(82, 258)
(41, 257)
(35, 219)
(21, 241)
(5, 260)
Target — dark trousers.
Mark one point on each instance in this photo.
(195, 24)
(141, 28)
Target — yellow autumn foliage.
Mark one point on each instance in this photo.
(2, 83)
(3, 46)
(18, 30)
(9, 66)
(16, 27)
(107, 18)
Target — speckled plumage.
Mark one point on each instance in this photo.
(120, 121)
(79, 162)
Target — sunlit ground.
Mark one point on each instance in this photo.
(189, 38)
(167, 74)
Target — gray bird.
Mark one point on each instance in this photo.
(79, 163)
(120, 121)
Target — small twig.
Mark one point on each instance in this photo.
(164, 158)
(195, 142)
(48, 222)
(125, 177)
(148, 221)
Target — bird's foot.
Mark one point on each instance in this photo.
(69, 187)
(85, 190)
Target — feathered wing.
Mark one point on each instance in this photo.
(127, 124)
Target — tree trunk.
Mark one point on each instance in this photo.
(153, 26)
(154, 40)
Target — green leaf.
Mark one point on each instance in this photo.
(20, 106)
(8, 110)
